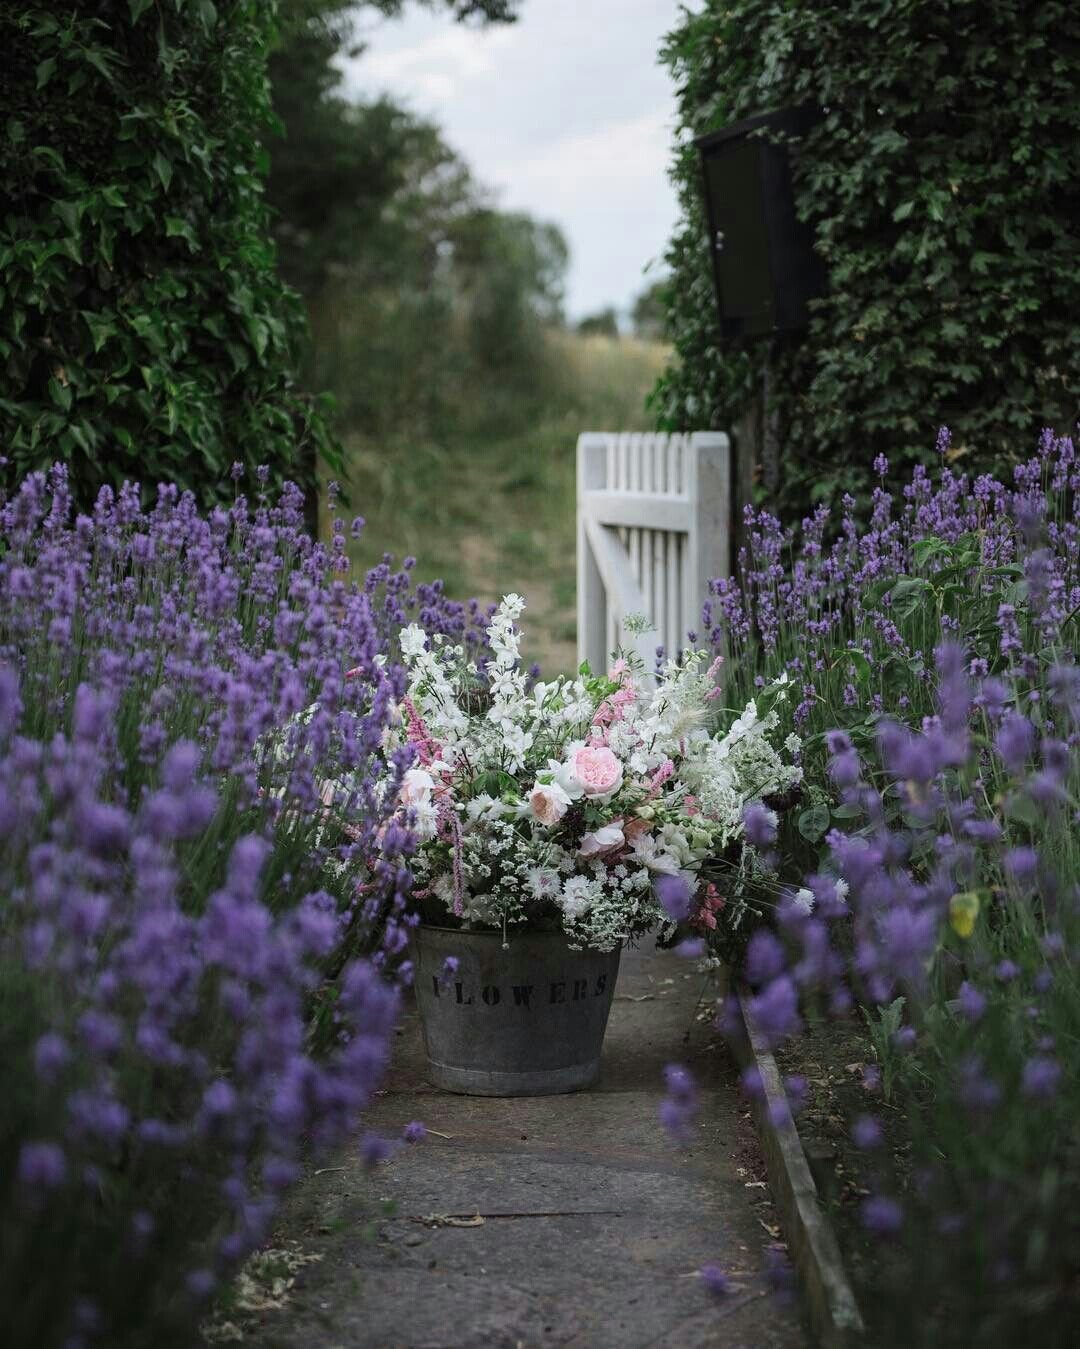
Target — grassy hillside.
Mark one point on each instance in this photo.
(490, 507)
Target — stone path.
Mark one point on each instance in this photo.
(594, 1223)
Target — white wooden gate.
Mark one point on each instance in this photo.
(653, 522)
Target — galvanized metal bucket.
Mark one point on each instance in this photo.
(528, 1021)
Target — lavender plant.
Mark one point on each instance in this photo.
(941, 716)
(201, 948)
(854, 616)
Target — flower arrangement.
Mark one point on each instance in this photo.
(597, 805)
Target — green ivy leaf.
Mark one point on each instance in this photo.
(45, 71)
(60, 394)
(163, 169)
(175, 228)
(101, 328)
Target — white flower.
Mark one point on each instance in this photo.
(413, 641)
(542, 882)
(563, 775)
(602, 840)
(676, 842)
(484, 807)
(548, 803)
(842, 888)
(416, 787)
(649, 854)
(577, 898)
(515, 742)
(427, 820)
(804, 900)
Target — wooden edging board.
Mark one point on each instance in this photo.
(830, 1303)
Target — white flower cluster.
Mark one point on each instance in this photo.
(740, 767)
(570, 802)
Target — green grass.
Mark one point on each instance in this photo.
(490, 509)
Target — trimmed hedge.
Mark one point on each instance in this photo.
(943, 186)
(144, 332)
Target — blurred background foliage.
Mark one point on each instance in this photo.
(437, 323)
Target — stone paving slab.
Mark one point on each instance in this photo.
(594, 1223)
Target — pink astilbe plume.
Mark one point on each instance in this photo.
(427, 751)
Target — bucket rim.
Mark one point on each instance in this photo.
(511, 936)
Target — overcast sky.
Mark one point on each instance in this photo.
(565, 114)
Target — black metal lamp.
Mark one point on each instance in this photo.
(764, 264)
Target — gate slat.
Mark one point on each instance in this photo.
(653, 528)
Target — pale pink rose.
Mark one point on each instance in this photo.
(597, 769)
(416, 787)
(548, 803)
(602, 840)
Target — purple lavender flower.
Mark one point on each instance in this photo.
(882, 1216)
(1041, 1077)
(764, 958)
(51, 1055)
(760, 824)
(1053, 945)
(41, 1166)
(674, 896)
(1015, 741)
(374, 1150)
(972, 1003)
(201, 1283)
(679, 1108)
(1021, 864)
(715, 1280)
(776, 1009)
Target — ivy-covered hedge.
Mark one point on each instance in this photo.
(144, 331)
(943, 186)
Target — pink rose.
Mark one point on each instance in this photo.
(548, 803)
(602, 840)
(597, 769)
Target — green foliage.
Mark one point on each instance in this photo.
(336, 164)
(144, 332)
(478, 482)
(882, 1023)
(437, 325)
(943, 187)
(604, 323)
(649, 312)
